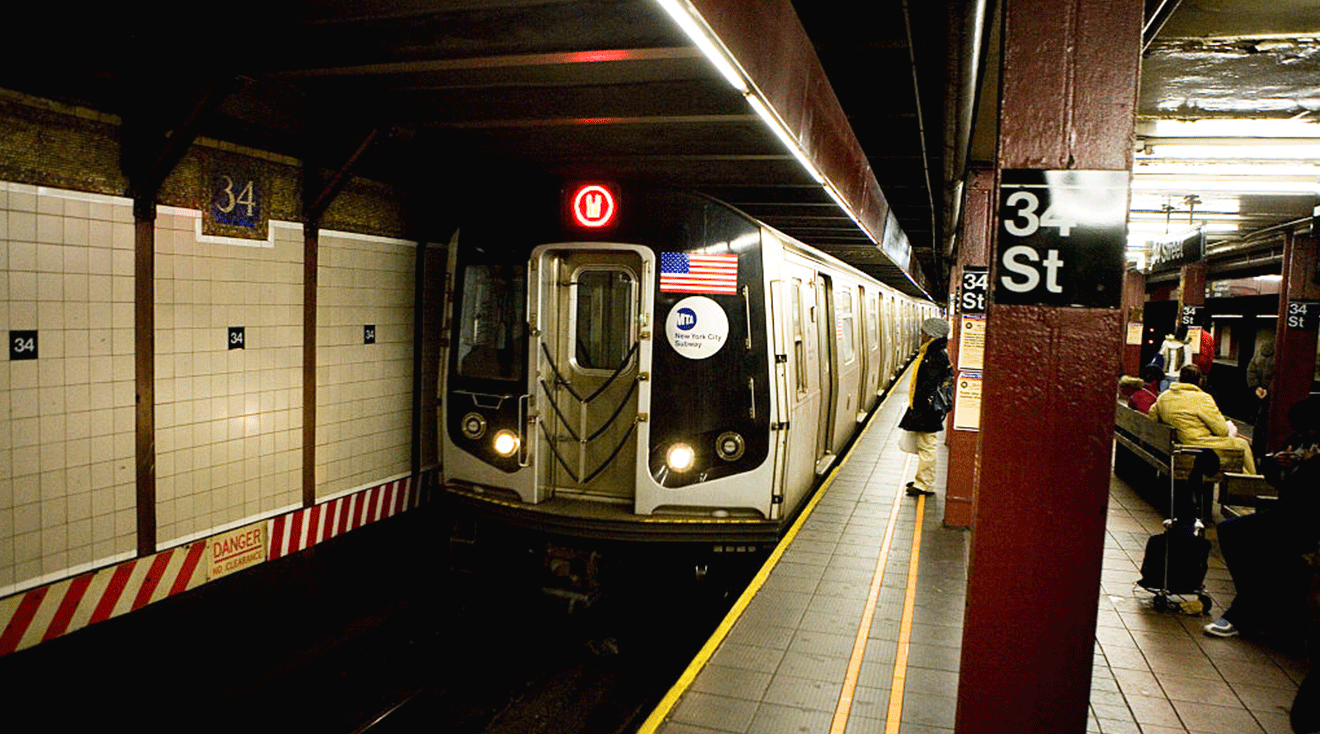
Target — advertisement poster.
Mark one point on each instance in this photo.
(1134, 333)
(967, 402)
(971, 343)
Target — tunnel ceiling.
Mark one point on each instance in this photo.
(412, 90)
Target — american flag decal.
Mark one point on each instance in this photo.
(682, 272)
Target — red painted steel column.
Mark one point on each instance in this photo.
(974, 247)
(1294, 348)
(1070, 76)
(1192, 291)
(1134, 305)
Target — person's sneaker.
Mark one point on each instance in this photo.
(914, 491)
(1221, 628)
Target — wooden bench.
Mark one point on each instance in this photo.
(1156, 445)
(1239, 491)
(1147, 440)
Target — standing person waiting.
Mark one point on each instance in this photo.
(1260, 380)
(929, 401)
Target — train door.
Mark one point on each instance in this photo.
(803, 355)
(863, 329)
(823, 315)
(590, 315)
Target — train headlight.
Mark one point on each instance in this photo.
(474, 426)
(506, 443)
(730, 446)
(680, 457)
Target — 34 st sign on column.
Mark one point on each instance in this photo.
(1061, 238)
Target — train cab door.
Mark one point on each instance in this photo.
(828, 362)
(590, 316)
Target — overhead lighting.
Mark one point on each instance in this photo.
(1233, 149)
(1179, 218)
(773, 122)
(697, 31)
(1229, 128)
(1167, 167)
(1155, 202)
(838, 199)
(1241, 185)
(1160, 228)
(700, 34)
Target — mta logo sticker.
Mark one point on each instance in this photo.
(697, 327)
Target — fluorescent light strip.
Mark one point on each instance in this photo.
(1230, 128)
(838, 199)
(1142, 183)
(1257, 149)
(1210, 226)
(690, 21)
(1173, 167)
(772, 121)
(700, 34)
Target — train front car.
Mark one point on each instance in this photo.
(609, 372)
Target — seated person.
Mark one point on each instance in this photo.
(1264, 550)
(1196, 419)
(1143, 398)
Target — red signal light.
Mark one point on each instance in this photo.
(593, 206)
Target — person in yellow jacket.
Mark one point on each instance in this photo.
(1196, 419)
(929, 401)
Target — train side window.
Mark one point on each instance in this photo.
(491, 327)
(799, 347)
(604, 304)
(847, 348)
(872, 318)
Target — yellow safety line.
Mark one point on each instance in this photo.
(893, 718)
(704, 654)
(840, 722)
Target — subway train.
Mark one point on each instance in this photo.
(635, 363)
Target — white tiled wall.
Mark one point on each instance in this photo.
(364, 391)
(67, 478)
(228, 421)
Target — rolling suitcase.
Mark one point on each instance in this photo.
(1176, 560)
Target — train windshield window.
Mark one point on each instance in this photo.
(604, 308)
(491, 338)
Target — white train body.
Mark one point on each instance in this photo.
(679, 372)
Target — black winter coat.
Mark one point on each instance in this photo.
(934, 373)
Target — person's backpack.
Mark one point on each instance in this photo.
(942, 399)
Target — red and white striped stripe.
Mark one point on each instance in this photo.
(305, 528)
(50, 611)
(47, 612)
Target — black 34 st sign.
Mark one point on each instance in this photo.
(1061, 238)
(1192, 316)
(971, 296)
(1303, 315)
